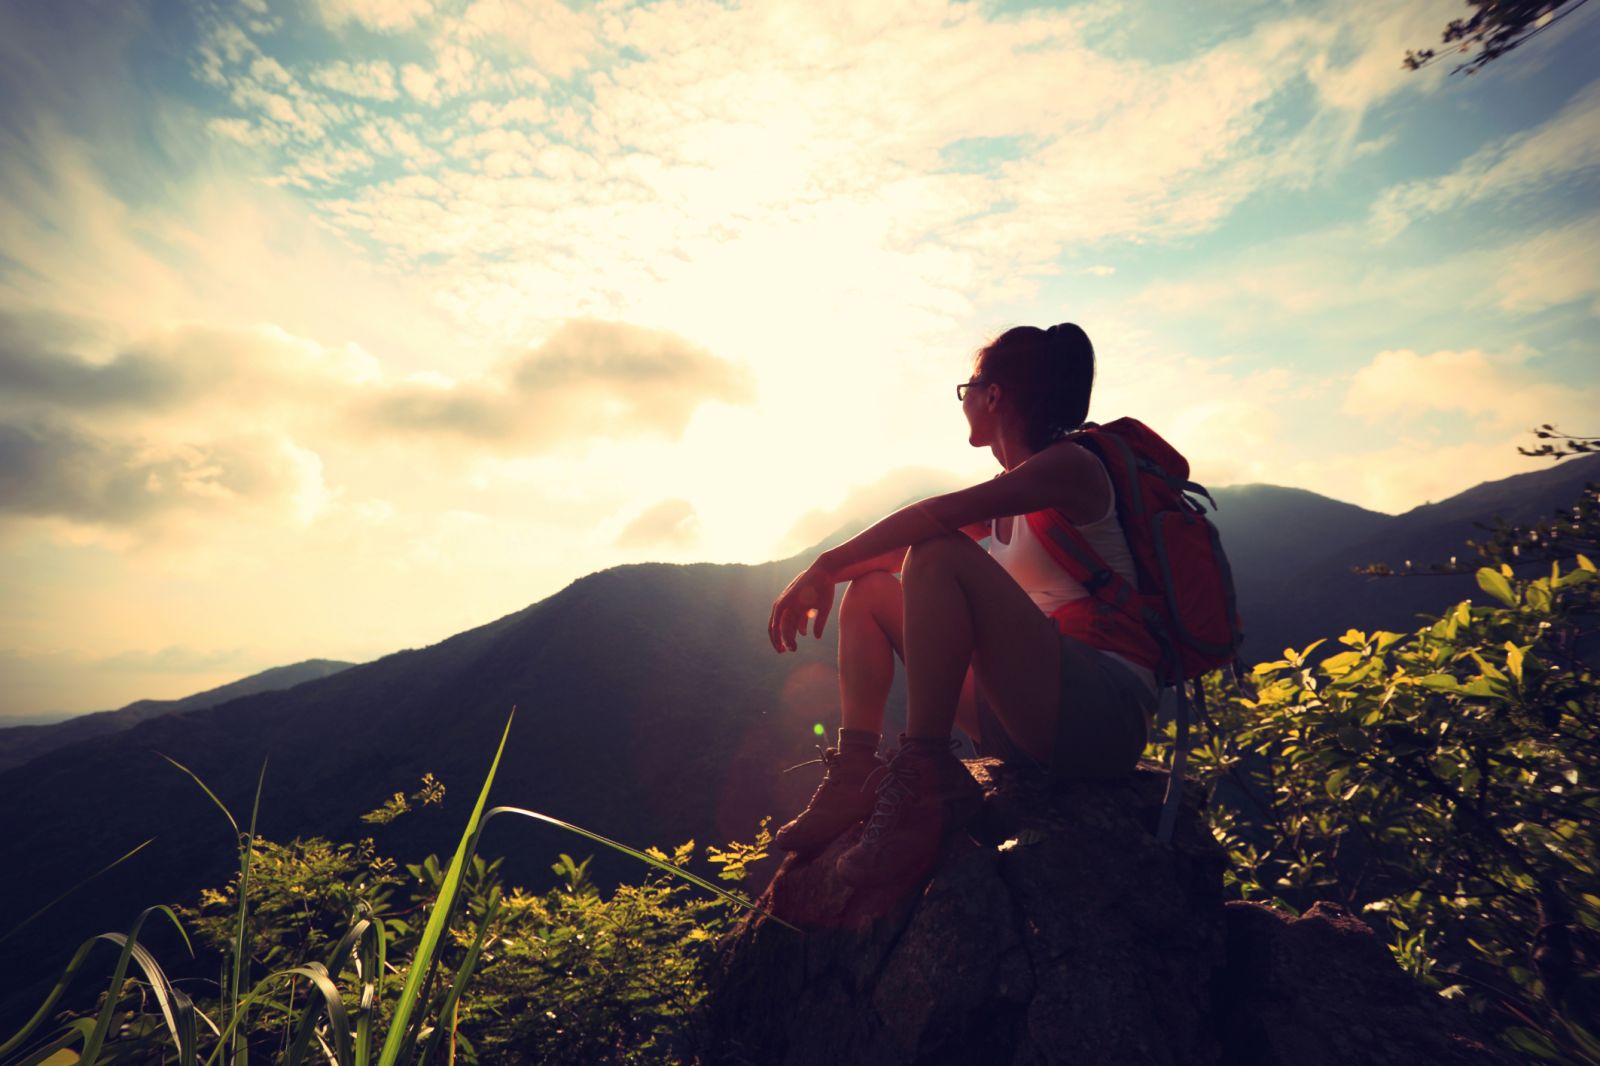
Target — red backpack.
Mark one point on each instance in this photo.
(1181, 618)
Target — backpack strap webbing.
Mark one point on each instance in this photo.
(1099, 580)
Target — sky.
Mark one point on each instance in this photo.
(334, 327)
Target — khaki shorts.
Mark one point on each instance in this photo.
(1102, 718)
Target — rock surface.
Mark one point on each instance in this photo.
(1061, 932)
(1322, 988)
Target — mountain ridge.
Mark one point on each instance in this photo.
(21, 743)
(651, 708)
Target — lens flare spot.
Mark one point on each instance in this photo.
(817, 729)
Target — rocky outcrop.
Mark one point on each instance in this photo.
(1322, 988)
(1062, 932)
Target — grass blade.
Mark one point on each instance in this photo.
(260, 996)
(177, 1009)
(372, 994)
(346, 948)
(78, 1030)
(400, 1037)
(74, 888)
(731, 897)
(463, 975)
(50, 999)
(363, 943)
(240, 1052)
(333, 1004)
(102, 1025)
(196, 777)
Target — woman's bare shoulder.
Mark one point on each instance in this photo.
(1080, 487)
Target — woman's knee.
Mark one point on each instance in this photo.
(938, 552)
(869, 593)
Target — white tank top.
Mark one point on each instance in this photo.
(1048, 585)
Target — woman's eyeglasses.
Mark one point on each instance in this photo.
(961, 389)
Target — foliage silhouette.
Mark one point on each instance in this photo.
(1443, 783)
(1495, 27)
(568, 976)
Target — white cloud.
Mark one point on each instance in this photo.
(1498, 390)
(1340, 278)
(590, 379)
(556, 38)
(372, 80)
(1364, 66)
(381, 15)
(528, 110)
(1517, 166)
(324, 168)
(1227, 419)
(669, 525)
(50, 469)
(1552, 268)
(422, 85)
(1409, 467)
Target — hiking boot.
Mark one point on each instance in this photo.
(923, 797)
(840, 802)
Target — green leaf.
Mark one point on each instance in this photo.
(1514, 656)
(1495, 584)
(1362, 672)
(1298, 658)
(1488, 668)
(1526, 1040)
(1334, 665)
(1385, 639)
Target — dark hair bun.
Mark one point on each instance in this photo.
(1047, 373)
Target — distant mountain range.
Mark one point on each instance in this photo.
(1294, 553)
(650, 708)
(19, 743)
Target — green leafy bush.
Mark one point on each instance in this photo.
(354, 978)
(1444, 784)
(570, 975)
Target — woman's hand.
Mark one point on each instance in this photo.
(811, 591)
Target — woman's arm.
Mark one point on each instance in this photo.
(894, 559)
(1060, 477)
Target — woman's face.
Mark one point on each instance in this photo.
(976, 406)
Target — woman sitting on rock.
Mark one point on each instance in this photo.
(980, 633)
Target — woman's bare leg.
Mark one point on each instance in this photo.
(871, 636)
(870, 624)
(960, 608)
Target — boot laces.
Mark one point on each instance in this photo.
(829, 757)
(894, 784)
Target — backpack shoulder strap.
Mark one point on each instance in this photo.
(1110, 444)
